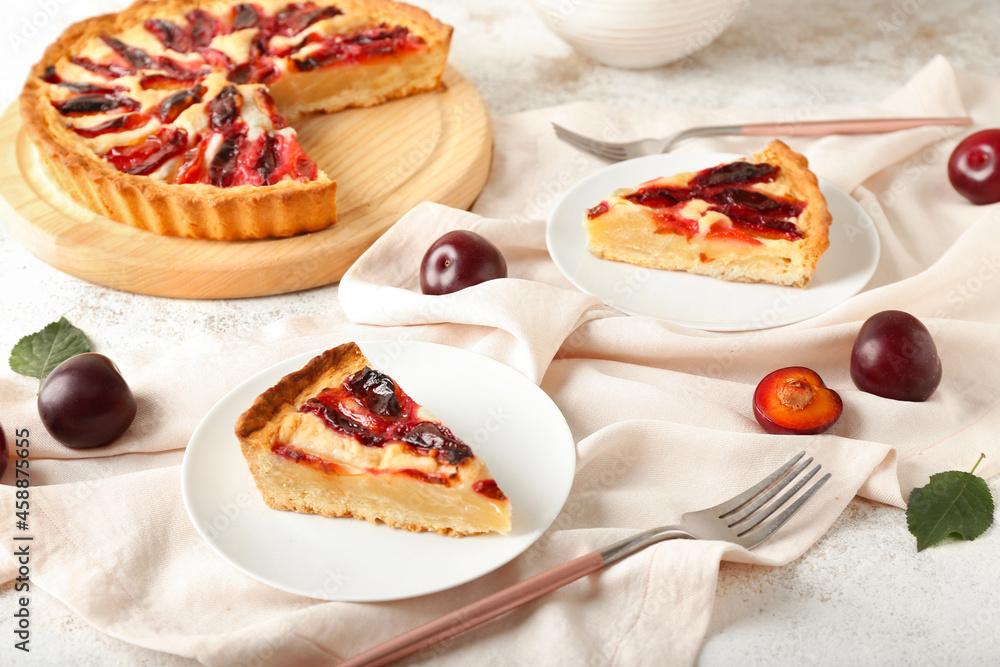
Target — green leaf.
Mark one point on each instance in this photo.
(36, 355)
(952, 504)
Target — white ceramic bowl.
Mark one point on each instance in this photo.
(637, 33)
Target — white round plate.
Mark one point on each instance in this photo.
(697, 301)
(507, 420)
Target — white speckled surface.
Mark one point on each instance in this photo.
(862, 595)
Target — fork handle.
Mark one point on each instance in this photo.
(477, 612)
(861, 126)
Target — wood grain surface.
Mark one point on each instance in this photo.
(431, 147)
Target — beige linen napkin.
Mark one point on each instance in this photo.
(661, 413)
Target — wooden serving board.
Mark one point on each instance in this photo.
(430, 147)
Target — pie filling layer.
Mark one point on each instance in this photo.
(186, 101)
(742, 213)
(369, 408)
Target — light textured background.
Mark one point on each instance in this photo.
(862, 595)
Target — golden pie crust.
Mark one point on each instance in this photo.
(301, 464)
(629, 232)
(205, 211)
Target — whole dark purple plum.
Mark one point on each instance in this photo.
(85, 402)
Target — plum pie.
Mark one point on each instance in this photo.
(340, 438)
(173, 115)
(759, 219)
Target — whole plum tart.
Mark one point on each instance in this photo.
(340, 438)
(760, 219)
(173, 115)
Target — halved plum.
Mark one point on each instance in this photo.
(795, 401)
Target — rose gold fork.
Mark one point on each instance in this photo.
(625, 150)
(740, 520)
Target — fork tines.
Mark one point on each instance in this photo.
(605, 149)
(749, 510)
